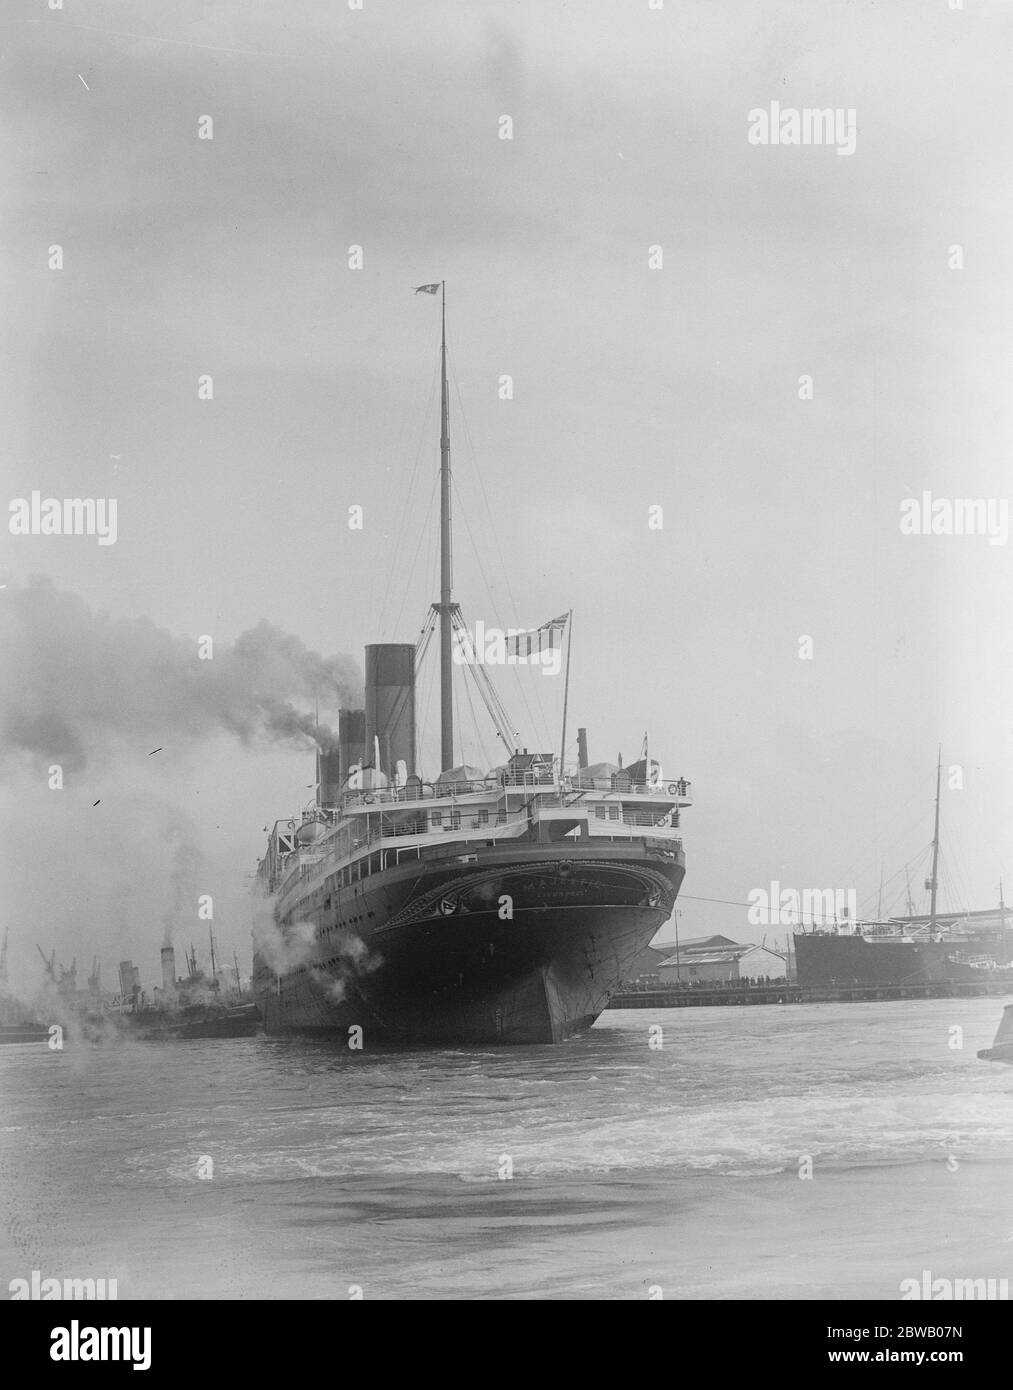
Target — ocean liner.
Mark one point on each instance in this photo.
(498, 907)
(935, 948)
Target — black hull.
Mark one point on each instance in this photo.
(242, 1022)
(840, 961)
(435, 961)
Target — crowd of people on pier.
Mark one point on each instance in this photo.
(647, 984)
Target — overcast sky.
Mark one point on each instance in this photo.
(633, 388)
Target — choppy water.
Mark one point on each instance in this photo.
(633, 1167)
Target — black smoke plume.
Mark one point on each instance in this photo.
(77, 683)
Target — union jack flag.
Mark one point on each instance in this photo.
(537, 639)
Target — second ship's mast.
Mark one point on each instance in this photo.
(446, 605)
(934, 882)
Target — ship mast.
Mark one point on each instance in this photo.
(446, 600)
(934, 882)
(879, 901)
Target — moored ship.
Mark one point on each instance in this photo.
(935, 948)
(192, 1007)
(958, 948)
(197, 1006)
(470, 907)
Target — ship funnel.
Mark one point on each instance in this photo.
(351, 745)
(130, 980)
(329, 770)
(390, 704)
(582, 748)
(168, 970)
(335, 765)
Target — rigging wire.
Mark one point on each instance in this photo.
(425, 637)
(406, 508)
(951, 895)
(424, 645)
(476, 471)
(457, 715)
(497, 708)
(478, 735)
(729, 902)
(485, 496)
(915, 858)
(896, 899)
(500, 715)
(428, 696)
(958, 870)
(490, 697)
(878, 847)
(422, 533)
(463, 512)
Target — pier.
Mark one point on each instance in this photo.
(784, 993)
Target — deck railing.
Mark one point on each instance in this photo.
(360, 849)
(538, 782)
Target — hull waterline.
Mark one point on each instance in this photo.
(440, 961)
